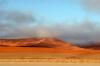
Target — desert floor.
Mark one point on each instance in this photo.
(30, 55)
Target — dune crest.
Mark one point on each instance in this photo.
(36, 42)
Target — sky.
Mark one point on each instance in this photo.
(69, 20)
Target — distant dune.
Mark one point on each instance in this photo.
(36, 42)
(42, 45)
(91, 45)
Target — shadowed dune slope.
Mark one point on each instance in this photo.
(91, 45)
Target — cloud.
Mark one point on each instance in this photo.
(75, 32)
(84, 31)
(13, 24)
(91, 5)
(16, 24)
(23, 25)
(20, 17)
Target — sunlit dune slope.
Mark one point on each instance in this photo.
(42, 45)
(36, 42)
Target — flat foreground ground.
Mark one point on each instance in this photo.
(30, 55)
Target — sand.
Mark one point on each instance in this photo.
(27, 54)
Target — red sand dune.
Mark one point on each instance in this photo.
(36, 42)
(47, 45)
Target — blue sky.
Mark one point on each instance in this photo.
(53, 10)
(75, 20)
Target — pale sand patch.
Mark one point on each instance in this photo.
(47, 58)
